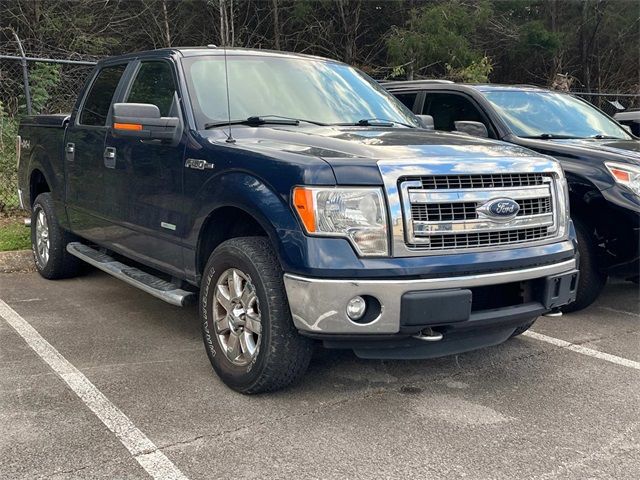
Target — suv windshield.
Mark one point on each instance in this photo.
(307, 89)
(551, 114)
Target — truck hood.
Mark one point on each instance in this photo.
(367, 143)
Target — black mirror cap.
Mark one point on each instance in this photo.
(143, 121)
(426, 121)
(476, 129)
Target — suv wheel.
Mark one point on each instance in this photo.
(591, 280)
(246, 322)
(49, 242)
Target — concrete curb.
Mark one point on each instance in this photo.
(17, 261)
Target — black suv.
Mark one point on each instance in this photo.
(600, 157)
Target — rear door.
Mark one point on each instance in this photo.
(84, 151)
(143, 179)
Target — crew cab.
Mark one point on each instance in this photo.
(600, 157)
(296, 201)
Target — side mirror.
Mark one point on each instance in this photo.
(476, 129)
(143, 121)
(426, 121)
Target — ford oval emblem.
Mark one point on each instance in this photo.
(501, 208)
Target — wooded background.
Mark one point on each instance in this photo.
(582, 45)
(595, 42)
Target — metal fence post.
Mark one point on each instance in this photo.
(25, 75)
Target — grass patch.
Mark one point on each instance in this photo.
(14, 235)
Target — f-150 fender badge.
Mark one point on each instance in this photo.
(198, 164)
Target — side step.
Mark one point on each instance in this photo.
(133, 276)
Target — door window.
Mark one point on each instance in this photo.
(96, 105)
(407, 99)
(447, 108)
(154, 84)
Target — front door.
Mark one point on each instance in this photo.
(83, 155)
(143, 179)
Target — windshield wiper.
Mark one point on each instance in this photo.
(547, 136)
(601, 136)
(256, 121)
(374, 122)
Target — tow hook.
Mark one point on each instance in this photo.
(555, 313)
(428, 335)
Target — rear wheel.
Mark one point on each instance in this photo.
(246, 323)
(49, 242)
(591, 280)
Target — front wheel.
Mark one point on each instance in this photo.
(591, 280)
(247, 328)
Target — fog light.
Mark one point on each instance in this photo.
(356, 308)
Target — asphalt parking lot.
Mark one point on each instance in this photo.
(530, 408)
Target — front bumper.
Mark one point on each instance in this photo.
(318, 306)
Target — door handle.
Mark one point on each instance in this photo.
(109, 157)
(70, 151)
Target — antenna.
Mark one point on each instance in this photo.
(230, 138)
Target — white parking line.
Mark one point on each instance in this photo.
(141, 448)
(584, 350)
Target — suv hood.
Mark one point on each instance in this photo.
(627, 151)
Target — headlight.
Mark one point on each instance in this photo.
(355, 213)
(626, 175)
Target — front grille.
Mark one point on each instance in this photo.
(485, 239)
(534, 206)
(443, 212)
(498, 180)
(438, 212)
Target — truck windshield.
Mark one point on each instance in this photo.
(268, 86)
(552, 115)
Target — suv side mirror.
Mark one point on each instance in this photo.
(426, 121)
(143, 121)
(476, 129)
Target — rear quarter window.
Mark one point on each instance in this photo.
(96, 106)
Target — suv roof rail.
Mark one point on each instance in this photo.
(417, 82)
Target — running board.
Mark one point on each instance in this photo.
(133, 276)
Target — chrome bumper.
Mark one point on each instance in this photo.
(319, 305)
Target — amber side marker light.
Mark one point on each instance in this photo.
(127, 126)
(303, 202)
(620, 174)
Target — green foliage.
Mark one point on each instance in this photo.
(476, 72)
(436, 36)
(43, 78)
(8, 174)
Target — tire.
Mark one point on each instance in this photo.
(49, 242)
(591, 280)
(244, 276)
(523, 328)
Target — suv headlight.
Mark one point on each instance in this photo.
(358, 214)
(627, 175)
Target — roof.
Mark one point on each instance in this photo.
(212, 50)
(448, 85)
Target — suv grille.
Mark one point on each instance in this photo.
(450, 212)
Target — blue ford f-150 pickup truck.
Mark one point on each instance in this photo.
(297, 201)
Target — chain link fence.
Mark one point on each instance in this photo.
(31, 86)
